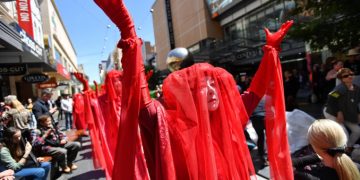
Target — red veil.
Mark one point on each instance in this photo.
(210, 145)
(206, 145)
(95, 123)
(110, 104)
(78, 112)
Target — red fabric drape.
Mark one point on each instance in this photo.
(129, 157)
(99, 134)
(98, 159)
(78, 112)
(110, 104)
(206, 145)
(101, 153)
(269, 75)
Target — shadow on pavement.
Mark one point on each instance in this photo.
(95, 174)
(84, 147)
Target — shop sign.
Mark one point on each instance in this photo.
(12, 69)
(35, 78)
(23, 8)
(31, 45)
(62, 71)
(250, 53)
(51, 83)
(218, 7)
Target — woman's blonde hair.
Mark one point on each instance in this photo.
(17, 105)
(326, 134)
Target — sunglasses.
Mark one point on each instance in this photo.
(347, 75)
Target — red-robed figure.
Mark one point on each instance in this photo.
(110, 104)
(207, 116)
(95, 121)
(138, 110)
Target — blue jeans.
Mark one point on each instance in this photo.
(39, 173)
(68, 120)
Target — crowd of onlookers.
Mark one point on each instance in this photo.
(334, 85)
(29, 133)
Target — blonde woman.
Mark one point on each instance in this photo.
(328, 140)
(17, 112)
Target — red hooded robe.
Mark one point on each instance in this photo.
(138, 111)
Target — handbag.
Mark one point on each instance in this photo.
(31, 161)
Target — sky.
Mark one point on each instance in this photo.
(93, 34)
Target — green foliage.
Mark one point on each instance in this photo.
(155, 78)
(92, 86)
(331, 23)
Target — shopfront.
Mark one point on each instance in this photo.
(20, 56)
(243, 25)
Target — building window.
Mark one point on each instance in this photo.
(57, 56)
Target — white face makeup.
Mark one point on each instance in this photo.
(117, 85)
(212, 95)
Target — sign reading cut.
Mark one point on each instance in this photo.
(12, 69)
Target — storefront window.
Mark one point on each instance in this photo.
(57, 56)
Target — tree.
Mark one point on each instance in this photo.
(328, 23)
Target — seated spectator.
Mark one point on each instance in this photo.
(17, 112)
(328, 140)
(17, 156)
(342, 104)
(7, 175)
(52, 142)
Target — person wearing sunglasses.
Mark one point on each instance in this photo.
(343, 103)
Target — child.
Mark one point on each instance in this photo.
(53, 143)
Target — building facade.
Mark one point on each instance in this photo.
(59, 48)
(113, 62)
(22, 48)
(148, 52)
(31, 55)
(181, 23)
(235, 32)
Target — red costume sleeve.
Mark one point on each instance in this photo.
(269, 75)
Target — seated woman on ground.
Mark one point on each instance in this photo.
(328, 140)
(16, 155)
(52, 142)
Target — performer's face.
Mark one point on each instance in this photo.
(212, 95)
(117, 85)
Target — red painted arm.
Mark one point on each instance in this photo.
(83, 80)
